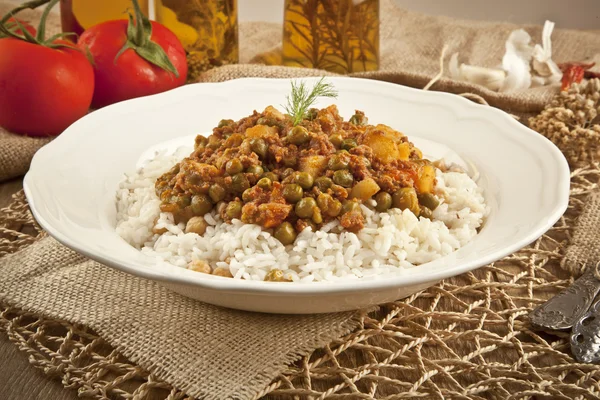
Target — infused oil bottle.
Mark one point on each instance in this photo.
(336, 35)
(208, 29)
(78, 15)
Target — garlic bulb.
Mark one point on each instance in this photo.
(523, 65)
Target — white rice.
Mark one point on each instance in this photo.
(389, 243)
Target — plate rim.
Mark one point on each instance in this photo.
(313, 288)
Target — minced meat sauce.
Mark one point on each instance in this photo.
(265, 171)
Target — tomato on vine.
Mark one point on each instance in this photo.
(133, 58)
(45, 84)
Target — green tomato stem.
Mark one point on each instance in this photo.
(139, 33)
(39, 39)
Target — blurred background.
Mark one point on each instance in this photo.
(573, 14)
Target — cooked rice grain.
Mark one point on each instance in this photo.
(389, 243)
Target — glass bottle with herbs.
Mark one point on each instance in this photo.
(336, 35)
(78, 15)
(208, 30)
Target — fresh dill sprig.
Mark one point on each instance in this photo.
(301, 99)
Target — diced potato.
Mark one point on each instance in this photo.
(404, 151)
(272, 112)
(387, 144)
(384, 148)
(314, 165)
(261, 131)
(328, 117)
(390, 132)
(426, 179)
(364, 189)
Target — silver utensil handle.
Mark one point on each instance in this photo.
(569, 306)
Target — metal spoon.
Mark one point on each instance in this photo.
(585, 337)
(568, 307)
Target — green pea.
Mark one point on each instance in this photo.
(290, 161)
(328, 205)
(309, 223)
(234, 166)
(317, 218)
(272, 176)
(348, 144)
(366, 162)
(234, 209)
(285, 233)
(338, 161)
(247, 196)
(384, 201)
(334, 208)
(304, 179)
(201, 204)
(311, 114)
(255, 169)
(426, 213)
(287, 172)
(406, 198)
(323, 201)
(323, 183)
(299, 135)
(350, 206)
(213, 142)
(216, 192)
(200, 142)
(305, 207)
(292, 193)
(259, 146)
(428, 200)
(239, 183)
(182, 201)
(343, 178)
(196, 225)
(358, 119)
(225, 122)
(264, 183)
(336, 139)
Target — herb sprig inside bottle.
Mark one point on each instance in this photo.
(300, 100)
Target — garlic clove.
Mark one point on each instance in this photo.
(491, 78)
(542, 62)
(516, 61)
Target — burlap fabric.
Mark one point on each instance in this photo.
(411, 45)
(585, 246)
(208, 351)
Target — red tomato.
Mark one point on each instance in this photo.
(17, 30)
(42, 90)
(129, 75)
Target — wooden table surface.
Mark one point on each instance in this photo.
(18, 379)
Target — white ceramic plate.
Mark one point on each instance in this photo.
(72, 182)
